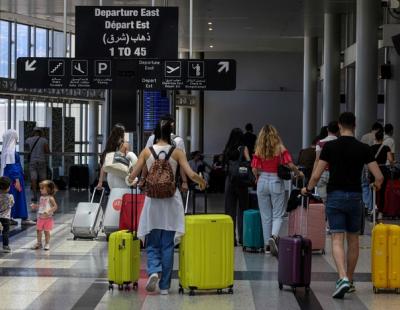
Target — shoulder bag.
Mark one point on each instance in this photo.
(116, 163)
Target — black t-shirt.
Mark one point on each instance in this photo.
(249, 140)
(346, 157)
(382, 156)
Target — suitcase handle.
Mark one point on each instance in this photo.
(94, 193)
(374, 206)
(305, 203)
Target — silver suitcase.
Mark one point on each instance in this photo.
(88, 218)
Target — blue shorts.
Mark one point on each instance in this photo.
(343, 210)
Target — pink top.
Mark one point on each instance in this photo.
(271, 165)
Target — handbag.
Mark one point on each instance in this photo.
(240, 170)
(116, 163)
(284, 172)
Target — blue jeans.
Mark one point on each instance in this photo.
(160, 255)
(343, 210)
(271, 201)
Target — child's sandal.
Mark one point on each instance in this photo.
(37, 246)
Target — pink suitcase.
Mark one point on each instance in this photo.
(315, 221)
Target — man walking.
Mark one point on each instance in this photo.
(346, 157)
(38, 148)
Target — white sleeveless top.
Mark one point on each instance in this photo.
(167, 213)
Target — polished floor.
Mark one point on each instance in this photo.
(73, 275)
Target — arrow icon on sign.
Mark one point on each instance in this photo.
(29, 66)
(224, 65)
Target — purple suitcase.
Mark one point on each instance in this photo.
(294, 262)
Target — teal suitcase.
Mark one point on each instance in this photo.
(253, 240)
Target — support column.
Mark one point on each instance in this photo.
(331, 88)
(350, 85)
(93, 130)
(310, 89)
(195, 114)
(366, 65)
(392, 108)
(182, 124)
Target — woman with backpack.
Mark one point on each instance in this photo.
(270, 153)
(162, 220)
(235, 191)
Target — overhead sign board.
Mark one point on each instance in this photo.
(147, 74)
(132, 32)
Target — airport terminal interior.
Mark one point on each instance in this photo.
(73, 71)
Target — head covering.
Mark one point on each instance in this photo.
(10, 138)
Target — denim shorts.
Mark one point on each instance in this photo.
(343, 210)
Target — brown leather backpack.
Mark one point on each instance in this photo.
(160, 181)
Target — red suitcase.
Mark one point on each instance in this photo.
(392, 199)
(129, 201)
(294, 257)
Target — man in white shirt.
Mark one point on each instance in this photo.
(178, 143)
(333, 132)
(369, 138)
(388, 138)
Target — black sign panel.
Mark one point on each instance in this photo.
(132, 32)
(64, 73)
(148, 74)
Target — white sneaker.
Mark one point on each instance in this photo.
(47, 247)
(164, 292)
(152, 282)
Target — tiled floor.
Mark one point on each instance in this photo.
(73, 275)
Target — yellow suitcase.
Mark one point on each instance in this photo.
(123, 259)
(206, 255)
(386, 257)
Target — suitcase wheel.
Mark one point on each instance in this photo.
(230, 290)
(376, 291)
(75, 238)
(191, 293)
(110, 287)
(219, 291)
(135, 285)
(280, 286)
(181, 291)
(120, 287)
(307, 289)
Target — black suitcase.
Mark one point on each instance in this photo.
(78, 177)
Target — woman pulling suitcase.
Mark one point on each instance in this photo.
(162, 220)
(269, 155)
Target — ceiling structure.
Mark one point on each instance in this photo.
(258, 25)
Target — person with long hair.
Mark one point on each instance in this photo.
(162, 221)
(11, 168)
(269, 154)
(115, 142)
(236, 195)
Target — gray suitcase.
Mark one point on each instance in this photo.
(88, 218)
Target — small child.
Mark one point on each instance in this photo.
(45, 209)
(6, 203)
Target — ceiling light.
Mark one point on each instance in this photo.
(210, 29)
(211, 46)
(210, 23)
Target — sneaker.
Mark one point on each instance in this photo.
(342, 287)
(352, 288)
(47, 247)
(273, 245)
(267, 249)
(6, 249)
(164, 292)
(152, 282)
(13, 222)
(37, 246)
(380, 216)
(28, 222)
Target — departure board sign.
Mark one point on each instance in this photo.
(132, 32)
